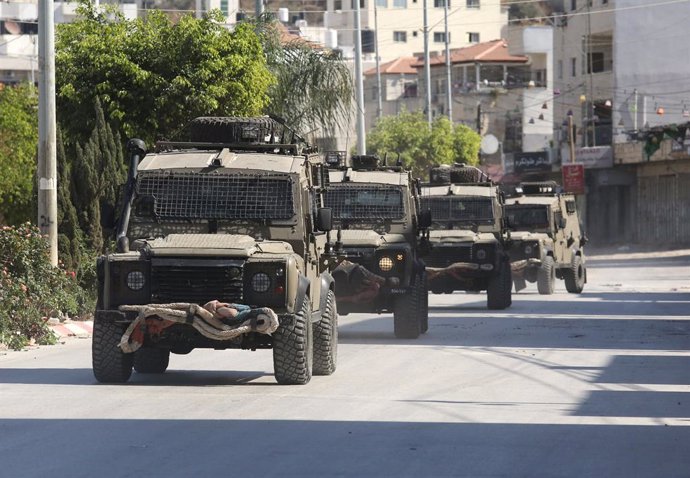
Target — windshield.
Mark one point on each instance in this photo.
(204, 196)
(529, 217)
(365, 202)
(459, 209)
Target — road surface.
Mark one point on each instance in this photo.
(596, 385)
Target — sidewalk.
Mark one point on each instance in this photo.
(69, 328)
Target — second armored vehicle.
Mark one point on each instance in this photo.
(380, 243)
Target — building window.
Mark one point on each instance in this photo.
(573, 66)
(573, 5)
(440, 37)
(473, 37)
(337, 4)
(441, 3)
(382, 3)
(400, 3)
(361, 4)
(400, 37)
(597, 65)
(472, 4)
(560, 69)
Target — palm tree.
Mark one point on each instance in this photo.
(313, 89)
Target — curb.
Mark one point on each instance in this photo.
(73, 329)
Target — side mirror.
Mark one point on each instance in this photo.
(561, 223)
(424, 219)
(324, 219)
(108, 216)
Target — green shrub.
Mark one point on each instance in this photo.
(31, 289)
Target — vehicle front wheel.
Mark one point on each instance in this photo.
(410, 311)
(499, 290)
(326, 338)
(293, 347)
(575, 276)
(151, 360)
(546, 276)
(110, 364)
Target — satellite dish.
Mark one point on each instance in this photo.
(489, 144)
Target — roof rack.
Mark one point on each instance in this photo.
(275, 148)
(539, 188)
(458, 173)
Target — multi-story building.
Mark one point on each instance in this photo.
(398, 24)
(622, 74)
(19, 35)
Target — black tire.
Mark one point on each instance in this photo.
(326, 339)
(151, 360)
(293, 347)
(408, 312)
(227, 129)
(110, 364)
(425, 304)
(499, 290)
(575, 276)
(546, 276)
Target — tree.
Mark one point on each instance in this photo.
(313, 88)
(419, 147)
(152, 75)
(18, 140)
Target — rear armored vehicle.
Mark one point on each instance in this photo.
(380, 243)
(546, 240)
(468, 249)
(219, 246)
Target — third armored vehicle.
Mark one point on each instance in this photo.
(468, 250)
(380, 242)
(547, 242)
(219, 246)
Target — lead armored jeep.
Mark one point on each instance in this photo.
(468, 250)
(547, 242)
(380, 242)
(232, 216)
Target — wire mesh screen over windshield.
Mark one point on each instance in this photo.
(365, 202)
(451, 208)
(531, 216)
(188, 195)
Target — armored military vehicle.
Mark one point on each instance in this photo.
(232, 220)
(547, 242)
(381, 240)
(468, 250)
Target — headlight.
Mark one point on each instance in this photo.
(235, 273)
(386, 264)
(481, 254)
(528, 249)
(261, 282)
(136, 280)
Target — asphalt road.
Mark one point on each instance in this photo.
(596, 385)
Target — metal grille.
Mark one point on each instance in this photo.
(188, 195)
(443, 256)
(453, 208)
(194, 284)
(365, 202)
(527, 216)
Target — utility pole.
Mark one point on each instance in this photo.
(199, 8)
(571, 139)
(359, 83)
(449, 75)
(47, 154)
(479, 118)
(427, 66)
(258, 7)
(590, 54)
(635, 108)
(379, 110)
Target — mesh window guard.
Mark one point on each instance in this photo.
(191, 195)
(459, 208)
(365, 202)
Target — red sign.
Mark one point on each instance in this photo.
(573, 178)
